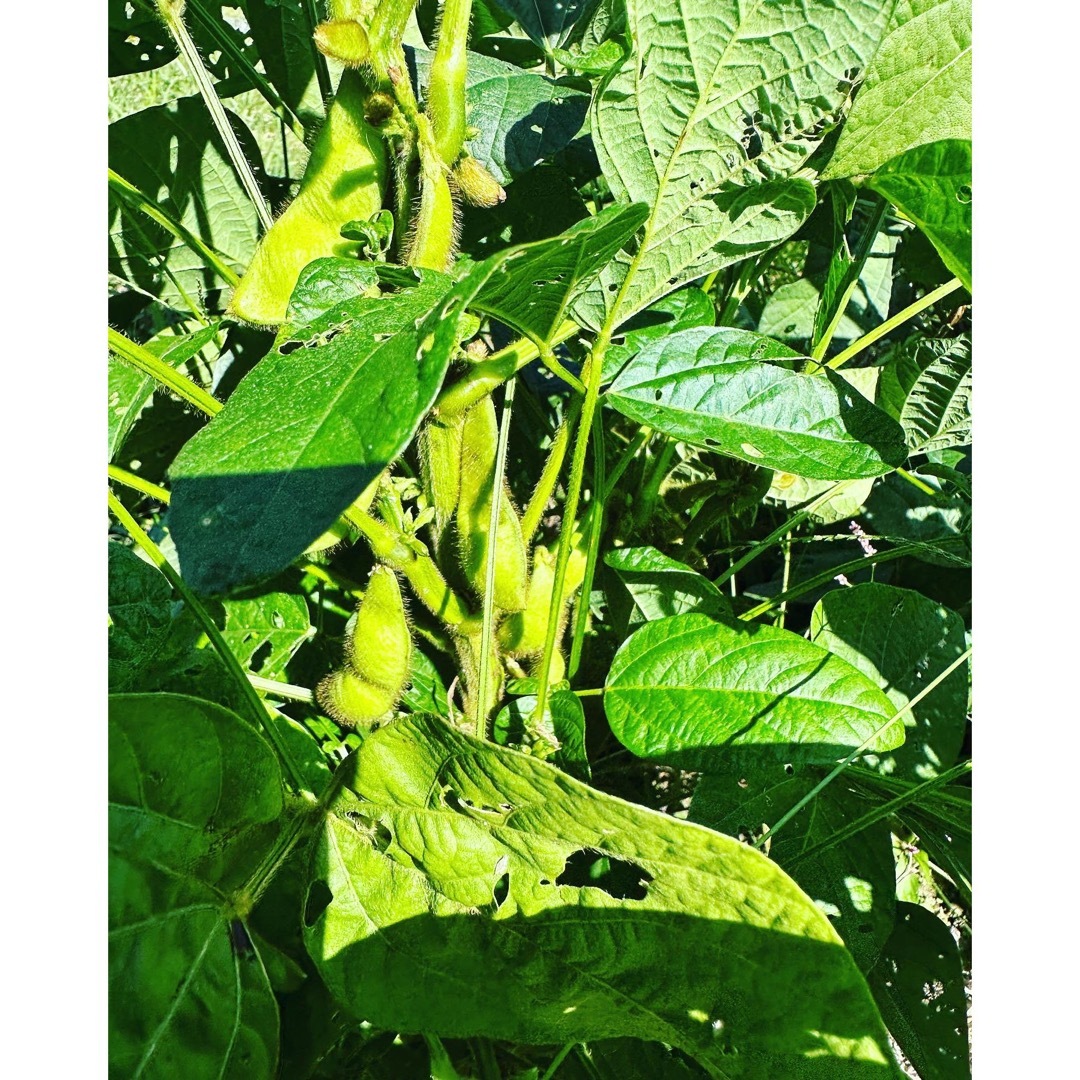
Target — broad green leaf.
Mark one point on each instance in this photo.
(441, 900)
(931, 185)
(175, 157)
(130, 389)
(548, 22)
(788, 314)
(676, 311)
(195, 795)
(940, 523)
(660, 586)
(138, 39)
(305, 432)
(706, 121)
(561, 734)
(140, 615)
(426, 692)
(919, 987)
(325, 283)
(926, 385)
(282, 34)
(686, 689)
(902, 640)
(917, 89)
(521, 118)
(533, 288)
(797, 491)
(264, 632)
(852, 882)
(717, 387)
(628, 1059)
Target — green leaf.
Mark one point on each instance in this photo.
(548, 22)
(441, 900)
(282, 34)
(562, 731)
(660, 586)
(140, 615)
(707, 120)
(130, 389)
(324, 283)
(917, 89)
(926, 385)
(195, 795)
(788, 314)
(305, 432)
(919, 986)
(683, 690)
(854, 882)
(264, 632)
(521, 118)
(426, 691)
(175, 157)
(940, 523)
(533, 288)
(902, 640)
(931, 185)
(138, 39)
(676, 311)
(715, 387)
(628, 1059)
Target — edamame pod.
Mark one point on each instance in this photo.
(351, 701)
(479, 445)
(343, 182)
(379, 646)
(440, 471)
(477, 186)
(523, 633)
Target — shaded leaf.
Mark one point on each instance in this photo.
(138, 39)
(264, 632)
(716, 387)
(917, 89)
(548, 22)
(919, 986)
(140, 615)
(563, 729)
(707, 119)
(436, 904)
(684, 690)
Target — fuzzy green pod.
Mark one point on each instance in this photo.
(523, 633)
(343, 182)
(434, 236)
(344, 40)
(440, 471)
(351, 701)
(479, 446)
(379, 646)
(477, 186)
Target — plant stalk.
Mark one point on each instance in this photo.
(146, 362)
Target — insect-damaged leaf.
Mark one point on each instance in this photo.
(461, 888)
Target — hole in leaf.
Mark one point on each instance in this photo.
(619, 878)
(789, 769)
(239, 939)
(379, 835)
(261, 655)
(317, 901)
(963, 193)
(500, 891)
(658, 395)
(287, 347)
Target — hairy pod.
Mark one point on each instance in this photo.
(440, 471)
(433, 239)
(524, 632)
(477, 186)
(344, 40)
(379, 646)
(351, 701)
(343, 182)
(479, 446)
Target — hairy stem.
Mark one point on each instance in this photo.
(445, 105)
(146, 362)
(549, 476)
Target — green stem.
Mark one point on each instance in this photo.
(851, 277)
(901, 317)
(557, 1060)
(645, 502)
(596, 528)
(483, 706)
(768, 834)
(137, 483)
(215, 28)
(786, 581)
(922, 485)
(322, 71)
(445, 105)
(547, 357)
(885, 810)
(172, 12)
(482, 378)
(639, 440)
(285, 691)
(146, 362)
(130, 194)
(232, 665)
(549, 477)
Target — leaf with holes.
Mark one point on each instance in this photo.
(917, 90)
(138, 40)
(686, 689)
(926, 385)
(931, 185)
(263, 632)
(520, 118)
(733, 391)
(919, 986)
(175, 157)
(140, 615)
(534, 287)
(464, 889)
(853, 882)
(706, 121)
(195, 797)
